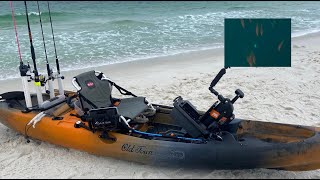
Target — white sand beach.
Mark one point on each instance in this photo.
(285, 95)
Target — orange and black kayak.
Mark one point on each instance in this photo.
(245, 143)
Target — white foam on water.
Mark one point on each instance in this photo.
(303, 33)
(266, 99)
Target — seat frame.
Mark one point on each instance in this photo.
(111, 83)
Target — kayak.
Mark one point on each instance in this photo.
(244, 143)
(133, 129)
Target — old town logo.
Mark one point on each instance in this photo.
(144, 150)
(136, 149)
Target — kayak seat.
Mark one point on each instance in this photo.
(95, 91)
(132, 107)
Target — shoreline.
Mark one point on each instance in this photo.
(186, 52)
(213, 58)
(280, 95)
(137, 69)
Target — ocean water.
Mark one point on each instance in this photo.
(90, 34)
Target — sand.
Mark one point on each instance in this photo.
(286, 95)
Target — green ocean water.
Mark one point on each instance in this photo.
(94, 33)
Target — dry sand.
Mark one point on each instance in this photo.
(286, 95)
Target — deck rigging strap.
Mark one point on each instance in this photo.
(36, 119)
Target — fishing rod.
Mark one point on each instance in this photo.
(23, 68)
(59, 77)
(37, 82)
(49, 71)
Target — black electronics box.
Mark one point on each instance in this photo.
(104, 118)
(186, 116)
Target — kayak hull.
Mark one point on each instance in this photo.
(246, 143)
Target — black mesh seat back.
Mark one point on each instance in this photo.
(94, 91)
(132, 107)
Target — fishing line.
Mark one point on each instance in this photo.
(23, 68)
(59, 77)
(54, 42)
(44, 44)
(49, 71)
(15, 29)
(33, 56)
(36, 75)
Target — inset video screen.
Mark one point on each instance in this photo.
(257, 42)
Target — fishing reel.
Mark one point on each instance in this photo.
(221, 112)
(40, 78)
(24, 69)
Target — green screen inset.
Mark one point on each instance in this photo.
(257, 43)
